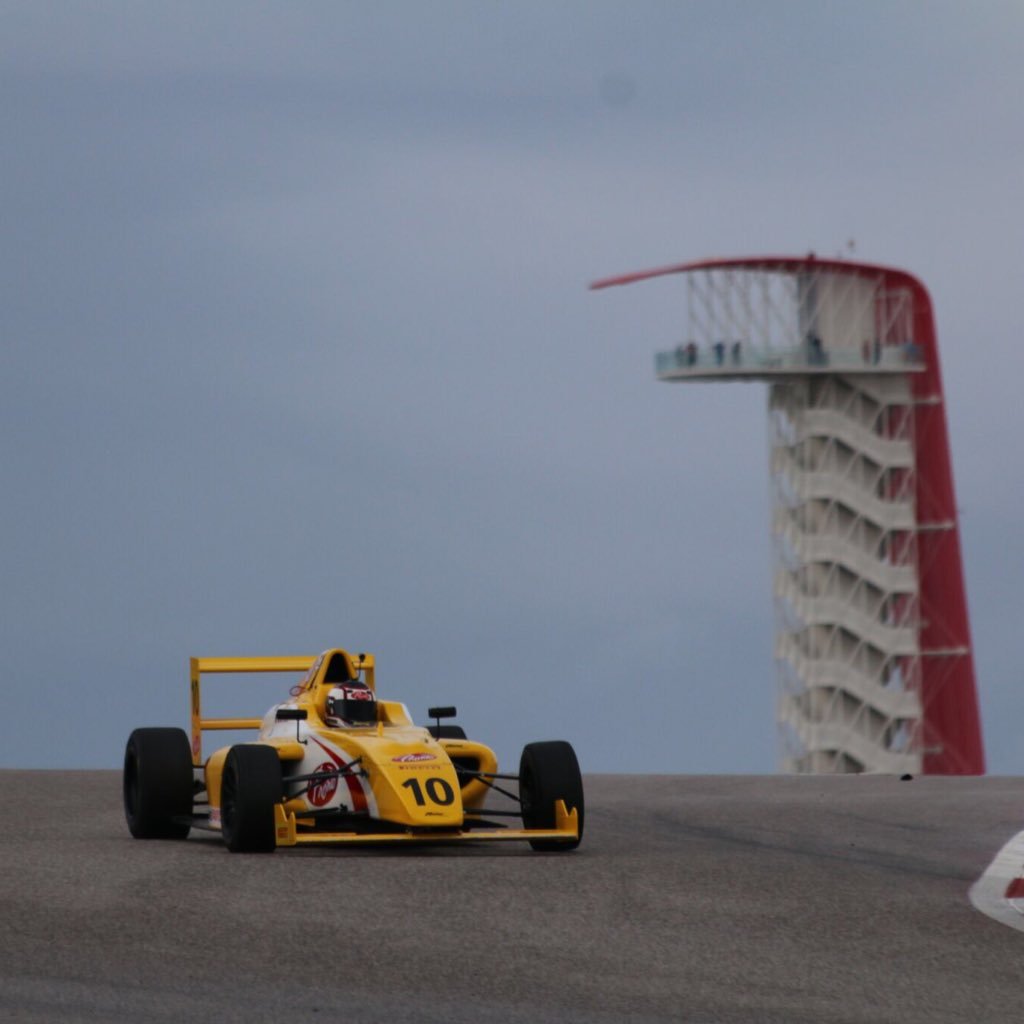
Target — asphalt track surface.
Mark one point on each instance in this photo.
(692, 898)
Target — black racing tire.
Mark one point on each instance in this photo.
(157, 783)
(548, 772)
(250, 787)
(447, 732)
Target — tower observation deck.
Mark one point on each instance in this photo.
(872, 639)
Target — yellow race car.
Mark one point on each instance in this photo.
(334, 764)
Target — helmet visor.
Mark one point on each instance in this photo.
(355, 704)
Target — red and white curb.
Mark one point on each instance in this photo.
(999, 892)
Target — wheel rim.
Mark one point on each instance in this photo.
(131, 787)
(227, 802)
(526, 793)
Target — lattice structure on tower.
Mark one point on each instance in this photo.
(872, 637)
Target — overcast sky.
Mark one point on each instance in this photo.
(296, 349)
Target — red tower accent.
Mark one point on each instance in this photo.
(949, 739)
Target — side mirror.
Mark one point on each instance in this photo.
(291, 714)
(437, 714)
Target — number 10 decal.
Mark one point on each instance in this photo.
(437, 791)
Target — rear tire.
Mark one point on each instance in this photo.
(250, 788)
(447, 732)
(157, 783)
(549, 772)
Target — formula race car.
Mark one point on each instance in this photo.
(333, 764)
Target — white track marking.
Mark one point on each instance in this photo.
(999, 892)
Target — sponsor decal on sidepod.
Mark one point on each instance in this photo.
(320, 793)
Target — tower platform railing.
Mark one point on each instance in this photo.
(737, 359)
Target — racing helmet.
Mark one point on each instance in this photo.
(350, 703)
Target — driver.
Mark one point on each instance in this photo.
(350, 703)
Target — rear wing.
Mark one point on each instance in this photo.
(198, 667)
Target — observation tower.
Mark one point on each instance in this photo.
(872, 643)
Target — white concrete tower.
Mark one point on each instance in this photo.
(865, 680)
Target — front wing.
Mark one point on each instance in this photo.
(289, 834)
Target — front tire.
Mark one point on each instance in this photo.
(250, 788)
(157, 783)
(549, 772)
